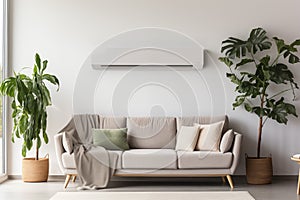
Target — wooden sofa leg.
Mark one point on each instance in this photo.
(68, 178)
(74, 178)
(230, 181)
(223, 179)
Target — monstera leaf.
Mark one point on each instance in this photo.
(234, 47)
(280, 110)
(287, 50)
(258, 40)
(280, 74)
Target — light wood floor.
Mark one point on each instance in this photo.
(283, 188)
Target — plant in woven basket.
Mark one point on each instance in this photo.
(262, 76)
(30, 98)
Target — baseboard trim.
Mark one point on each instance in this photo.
(3, 178)
(154, 179)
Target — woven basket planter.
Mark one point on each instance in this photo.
(259, 170)
(35, 170)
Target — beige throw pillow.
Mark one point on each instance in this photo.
(187, 138)
(210, 135)
(226, 141)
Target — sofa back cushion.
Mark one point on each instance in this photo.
(151, 132)
(111, 122)
(189, 121)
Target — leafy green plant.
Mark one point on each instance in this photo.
(30, 98)
(256, 74)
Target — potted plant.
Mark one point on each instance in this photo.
(260, 74)
(30, 98)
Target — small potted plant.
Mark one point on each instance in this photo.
(259, 74)
(30, 98)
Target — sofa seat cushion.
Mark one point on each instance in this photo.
(204, 160)
(149, 159)
(68, 160)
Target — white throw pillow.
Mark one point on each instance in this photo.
(67, 142)
(226, 141)
(187, 138)
(210, 135)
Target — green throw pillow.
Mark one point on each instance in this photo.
(111, 139)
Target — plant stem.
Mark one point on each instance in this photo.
(275, 60)
(259, 136)
(260, 125)
(37, 151)
(292, 88)
(253, 59)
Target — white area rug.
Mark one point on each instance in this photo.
(238, 195)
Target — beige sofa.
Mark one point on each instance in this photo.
(152, 150)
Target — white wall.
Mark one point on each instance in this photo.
(67, 31)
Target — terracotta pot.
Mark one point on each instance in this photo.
(35, 170)
(259, 170)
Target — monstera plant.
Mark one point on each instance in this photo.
(30, 99)
(262, 77)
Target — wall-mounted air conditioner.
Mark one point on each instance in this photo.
(152, 47)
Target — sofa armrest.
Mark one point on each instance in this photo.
(59, 149)
(236, 151)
